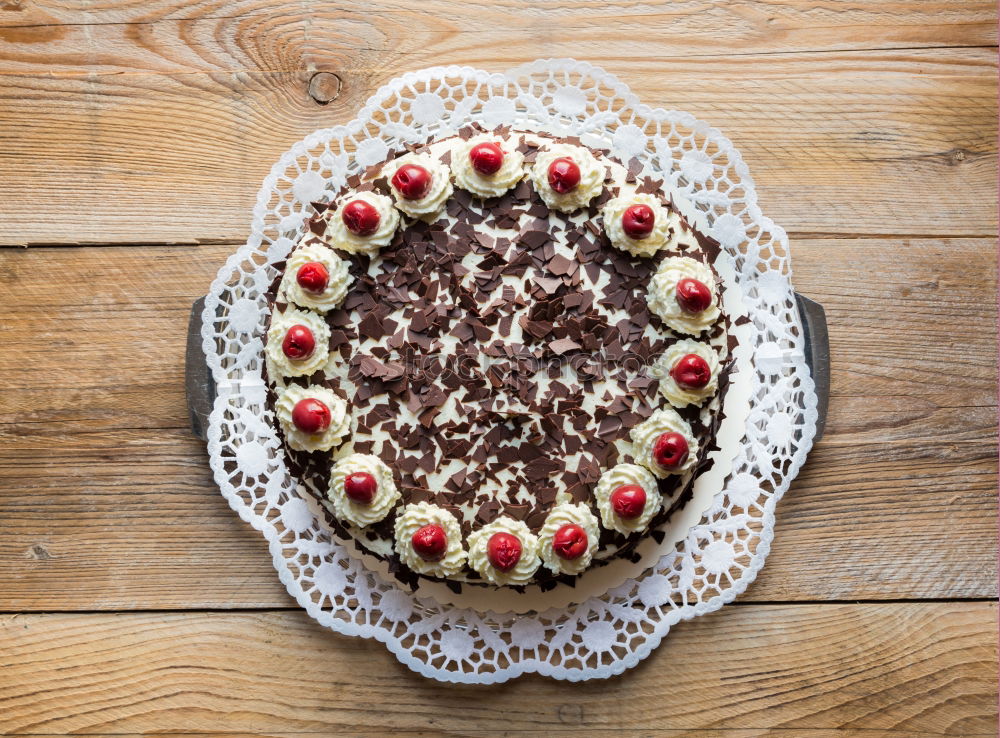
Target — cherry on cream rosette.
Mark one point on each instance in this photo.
(569, 537)
(665, 444)
(683, 293)
(567, 177)
(486, 165)
(315, 277)
(688, 372)
(429, 540)
(362, 489)
(421, 185)
(298, 343)
(362, 222)
(504, 552)
(637, 222)
(312, 418)
(627, 498)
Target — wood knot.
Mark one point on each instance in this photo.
(324, 87)
(38, 552)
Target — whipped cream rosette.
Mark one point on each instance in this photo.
(298, 343)
(429, 540)
(312, 418)
(665, 444)
(688, 372)
(504, 552)
(567, 177)
(362, 489)
(487, 165)
(421, 185)
(362, 222)
(627, 498)
(315, 277)
(684, 294)
(567, 541)
(637, 223)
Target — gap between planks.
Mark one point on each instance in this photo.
(296, 608)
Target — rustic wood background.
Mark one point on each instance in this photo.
(135, 134)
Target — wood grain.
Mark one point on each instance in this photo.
(108, 502)
(175, 111)
(910, 669)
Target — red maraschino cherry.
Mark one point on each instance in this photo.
(570, 542)
(691, 372)
(360, 487)
(638, 221)
(486, 158)
(298, 343)
(670, 451)
(310, 415)
(628, 501)
(693, 296)
(504, 551)
(361, 218)
(313, 277)
(430, 542)
(564, 175)
(412, 181)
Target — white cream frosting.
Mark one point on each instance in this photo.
(279, 365)
(680, 396)
(386, 493)
(526, 566)
(336, 289)
(430, 205)
(644, 435)
(562, 514)
(592, 174)
(647, 246)
(486, 185)
(340, 418)
(339, 236)
(662, 295)
(616, 477)
(414, 517)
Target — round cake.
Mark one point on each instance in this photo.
(498, 358)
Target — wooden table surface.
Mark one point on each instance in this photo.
(135, 135)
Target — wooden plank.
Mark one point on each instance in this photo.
(108, 503)
(913, 669)
(769, 25)
(147, 114)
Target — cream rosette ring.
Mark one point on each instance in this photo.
(637, 222)
(627, 498)
(315, 277)
(569, 538)
(664, 444)
(578, 176)
(500, 560)
(688, 372)
(421, 185)
(486, 165)
(312, 418)
(684, 294)
(429, 540)
(298, 343)
(362, 223)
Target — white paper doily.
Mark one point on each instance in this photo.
(601, 636)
